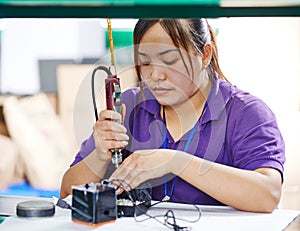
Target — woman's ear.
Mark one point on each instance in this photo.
(207, 54)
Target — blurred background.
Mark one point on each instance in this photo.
(45, 94)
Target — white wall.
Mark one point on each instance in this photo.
(24, 41)
(262, 55)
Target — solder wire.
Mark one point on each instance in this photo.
(111, 44)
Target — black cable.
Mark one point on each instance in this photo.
(108, 72)
(182, 219)
(167, 216)
(171, 225)
(63, 204)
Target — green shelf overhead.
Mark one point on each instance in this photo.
(148, 8)
(110, 2)
(121, 37)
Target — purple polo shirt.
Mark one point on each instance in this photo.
(237, 129)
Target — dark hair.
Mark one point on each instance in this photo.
(185, 33)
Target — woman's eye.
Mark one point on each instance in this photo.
(171, 62)
(144, 63)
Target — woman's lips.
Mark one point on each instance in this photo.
(161, 91)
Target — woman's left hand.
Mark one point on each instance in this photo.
(143, 165)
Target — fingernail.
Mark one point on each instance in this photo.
(124, 143)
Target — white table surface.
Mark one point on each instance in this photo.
(213, 218)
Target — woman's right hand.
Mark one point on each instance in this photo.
(109, 133)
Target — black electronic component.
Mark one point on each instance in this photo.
(35, 208)
(94, 203)
(134, 203)
(97, 203)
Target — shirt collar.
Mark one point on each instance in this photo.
(150, 104)
(220, 94)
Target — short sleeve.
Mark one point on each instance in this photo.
(86, 148)
(256, 139)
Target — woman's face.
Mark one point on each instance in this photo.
(163, 69)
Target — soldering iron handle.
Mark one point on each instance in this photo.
(114, 102)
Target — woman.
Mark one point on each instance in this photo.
(203, 140)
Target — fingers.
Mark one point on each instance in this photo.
(110, 115)
(132, 182)
(124, 170)
(127, 185)
(143, 165)
(108, 128)
(108, 133)
(131, 174)
(123, 111)
(124, 174)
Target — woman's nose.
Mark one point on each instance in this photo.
(158, 72)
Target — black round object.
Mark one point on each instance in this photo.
(35, 209)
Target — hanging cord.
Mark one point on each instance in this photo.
(108, 72)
